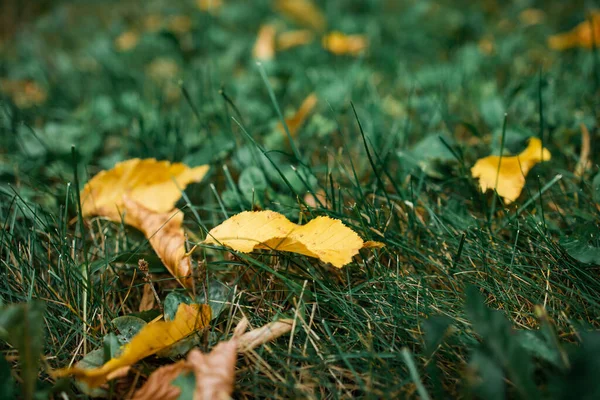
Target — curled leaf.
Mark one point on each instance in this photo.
(151, 339)
(257, 337)
(507, 174)
(583, 35)
(325, 238)
(340, 43)
(166, 236)
(304, 12)
(264, 47)
(156, 185)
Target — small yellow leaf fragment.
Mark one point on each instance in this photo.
(156, 185)
(371, 244)
(180, 24)
(209, 5)
(166, 236)
(532, 16)
(304, 12)
(291, 39)
(151, 339)
(324, 238)
(340, 43)
(127, 40)
(295, 122)
(264, 47)
(583, 35)
(507, 174)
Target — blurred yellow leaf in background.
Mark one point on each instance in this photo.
(507, 174)
(295, 122)
(583, 35)
(264, 47)
(340, 43)
(291, 39)
(304, 12)
(325, 238)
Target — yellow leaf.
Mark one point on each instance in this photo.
(509, 178)
(583, 35)
(127, 40)
(215, 371)
(340, 43)
(291, 39)
(156, 185)
(151, 339)
(164, 232)
(264, 47)
(324, 238)
(294, 123)
(304, 12)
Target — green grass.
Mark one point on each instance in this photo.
(390, 144)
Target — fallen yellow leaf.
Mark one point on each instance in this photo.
(304, 12)
(150, 340)
(215, 371)
(290, 39)
(583, 35)
(264, 47)
(324, 238)
(295, 122)
(507, 174)
(156, 185)
(340, 43)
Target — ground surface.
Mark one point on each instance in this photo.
(431, 93)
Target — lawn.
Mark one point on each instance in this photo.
(370, 112)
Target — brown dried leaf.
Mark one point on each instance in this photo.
(215, 372)
(256, 337)
(148, 300)
(158, 385)
(166, 236)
